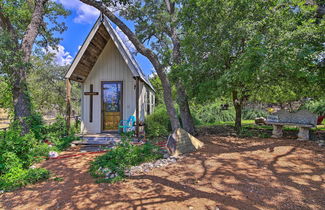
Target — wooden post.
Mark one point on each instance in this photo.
(91, 104)
(68, 100)
(137, 94)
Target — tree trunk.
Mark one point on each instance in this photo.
(238, 109)
(21, 99)
(185, 112)
(168, 99)
(182, 100)
(68, 108)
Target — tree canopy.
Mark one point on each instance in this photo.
(25, 26)
(262, 50)
(250, 45)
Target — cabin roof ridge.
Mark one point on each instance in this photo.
(79, 70)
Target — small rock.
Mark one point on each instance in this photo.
(166, 155)
(53, 154)
(145, 167)
(127, 173)
(73, 145)
(321, 143)
(32, 167)
(2, 191)
(106, 170)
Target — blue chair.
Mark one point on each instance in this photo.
(127, 125)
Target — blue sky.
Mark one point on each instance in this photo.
(79, 24)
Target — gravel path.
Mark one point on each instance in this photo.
(228, 173)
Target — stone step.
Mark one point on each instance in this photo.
(92, 148)
(96, 142)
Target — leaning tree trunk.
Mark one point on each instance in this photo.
(182, 100)
(168, 99)
(184, 109)
(21, 99)
(238, 109)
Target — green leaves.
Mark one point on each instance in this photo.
(250, 46)
(157, 123)
(123, 156)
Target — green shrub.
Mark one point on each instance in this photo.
(64, 142)
(158, 123)
(56, 134)
(212, 113)
(58, 128)
(21, 146)
(251, 114)
(14, 178)
(37, 174)
(42, 150)
(17, 177)
(18, 153)
(9, 160)
(315, 106)
(37, 126)
(122, 157)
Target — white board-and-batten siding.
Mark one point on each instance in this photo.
(110, 66)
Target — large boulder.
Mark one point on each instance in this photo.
(181, 142)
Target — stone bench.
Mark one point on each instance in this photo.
(302, 119)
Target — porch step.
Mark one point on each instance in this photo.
(108, 141)
(94, 148)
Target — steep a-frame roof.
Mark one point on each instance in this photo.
(94, 44)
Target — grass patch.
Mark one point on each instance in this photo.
(251, 124)
(232, 123)
(18, 177)
(58, 179)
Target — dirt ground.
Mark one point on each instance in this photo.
(228, 173)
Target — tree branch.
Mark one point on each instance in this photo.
(33, 28)
(170, 6)
(172, 32)
(5, 23)
(132, 37)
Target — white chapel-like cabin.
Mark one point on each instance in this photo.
(113, 84)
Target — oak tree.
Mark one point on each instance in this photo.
(252, 49)
(24, 25)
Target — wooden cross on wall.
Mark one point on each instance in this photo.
(91, 94)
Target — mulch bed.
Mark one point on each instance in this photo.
(228, 173)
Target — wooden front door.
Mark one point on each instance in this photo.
(112, 97)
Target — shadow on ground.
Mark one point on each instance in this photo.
(229, 173)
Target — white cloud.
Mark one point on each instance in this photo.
(152, 75)
(85, 13)
(126, 40)
(61, 57)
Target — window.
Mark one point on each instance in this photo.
(152, 102)
(148, 101)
